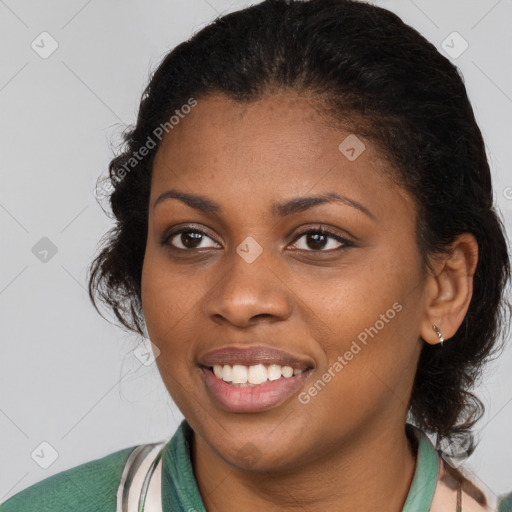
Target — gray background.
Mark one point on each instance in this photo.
(68, 378)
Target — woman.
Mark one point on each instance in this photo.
(306, 233)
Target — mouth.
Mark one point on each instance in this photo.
(254, 375)
(253, 379)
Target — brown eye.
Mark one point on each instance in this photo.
(188, 239)
(321, 240)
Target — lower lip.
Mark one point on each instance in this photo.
(253, 398)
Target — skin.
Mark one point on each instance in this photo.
(346, 449)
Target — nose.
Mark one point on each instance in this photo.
(248, 293)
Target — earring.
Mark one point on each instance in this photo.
(439, 335)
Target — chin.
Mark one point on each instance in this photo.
(257, 444)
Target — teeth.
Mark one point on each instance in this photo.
(240, 374)
(227, 373)
(287, 371)
(218, 371)
(274, 372)
(257, 374)
(253, 375)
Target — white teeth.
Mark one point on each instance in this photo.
(227, 373)
(255, 374)
(287, 371)
(240, 374)
(217, 369)
(274, 372)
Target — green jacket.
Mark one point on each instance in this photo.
(93, 486)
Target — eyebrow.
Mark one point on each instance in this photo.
(280, 209)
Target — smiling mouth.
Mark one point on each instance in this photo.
(238, 375)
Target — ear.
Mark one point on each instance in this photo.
(449, 288)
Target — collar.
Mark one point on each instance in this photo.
(181, 494)
(426, 474)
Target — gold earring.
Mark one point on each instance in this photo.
(439, 335)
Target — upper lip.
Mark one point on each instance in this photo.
(250, 356)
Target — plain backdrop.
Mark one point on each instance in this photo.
(71, 388)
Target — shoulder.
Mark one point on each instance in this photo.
(90, 487)
(454, 486)
(505, 504)
(474, 495)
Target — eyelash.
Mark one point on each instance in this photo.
(317, 230)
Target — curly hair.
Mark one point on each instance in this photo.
(378, 77)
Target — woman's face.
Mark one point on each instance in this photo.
(233, 284)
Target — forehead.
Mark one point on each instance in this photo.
(277, 146)
(281, 125)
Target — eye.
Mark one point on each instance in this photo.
(321, 240)
(189, 238)
(314, 240)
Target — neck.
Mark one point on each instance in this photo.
(372, 471)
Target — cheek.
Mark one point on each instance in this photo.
(367, 324)
(167, 294)
(359, 301)
(168, 304)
